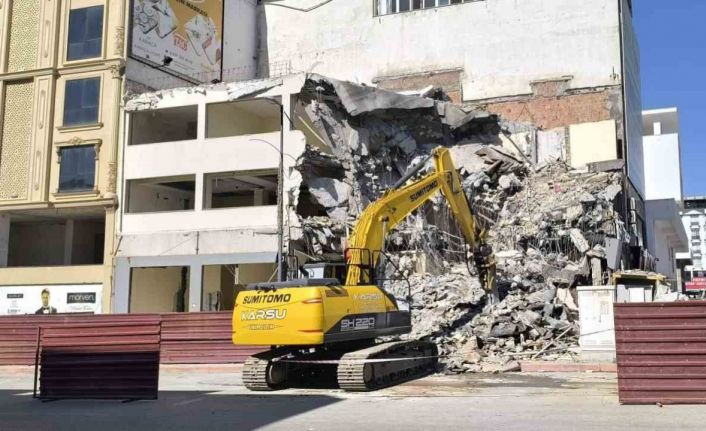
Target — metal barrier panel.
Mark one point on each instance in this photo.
(18, 334)
(116, 360)
(201, 338)
(187, 338)
(661, 352)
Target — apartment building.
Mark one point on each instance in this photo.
(198, 193)
(61, 66)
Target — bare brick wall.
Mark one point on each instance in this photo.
(550, 105)
(449, 81)
(549, 112)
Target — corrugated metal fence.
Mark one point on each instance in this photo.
(187, 338)
(661, 352)
(118, 359)
(201, 338)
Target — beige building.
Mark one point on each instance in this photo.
(61, 64)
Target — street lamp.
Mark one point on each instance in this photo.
(280, 192)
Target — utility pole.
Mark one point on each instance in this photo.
(280, 197)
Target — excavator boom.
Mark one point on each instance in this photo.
(381, 216)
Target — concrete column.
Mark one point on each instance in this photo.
(195, 287)
(199, 192)
(68, 241)
(121, 281)
(108, 262)
(201, 124)
(4, 239)
(596, 271)
(260, 197)
(208, 191)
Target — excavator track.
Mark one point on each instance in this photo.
(385, 365)
(260, 373)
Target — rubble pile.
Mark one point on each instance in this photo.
(542, 252)
(547, 224)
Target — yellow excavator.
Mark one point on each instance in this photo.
(314, 323)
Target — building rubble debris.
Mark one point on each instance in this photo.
(548, 224)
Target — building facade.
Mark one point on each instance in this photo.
(662, 149)
(61, 68)
(198, 213)
(570, 68)
(694, 220)
(666, 236)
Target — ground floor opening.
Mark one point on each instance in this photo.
(183, 285)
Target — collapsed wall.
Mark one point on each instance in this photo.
(548, 225)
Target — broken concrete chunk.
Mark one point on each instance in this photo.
(509, 182)
(578, 240)
(565, 297)
(529, 317)
(329, 192)
(611, 192)
(503, 329)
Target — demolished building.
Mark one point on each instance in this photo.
(551, 226)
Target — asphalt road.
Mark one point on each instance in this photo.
(207, 398)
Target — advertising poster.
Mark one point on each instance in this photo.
(696, 284)
(183, 36)
(53, 299)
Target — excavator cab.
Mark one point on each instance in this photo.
(333, 270)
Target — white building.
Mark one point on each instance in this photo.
(694, 220)
(662, 149)
(666, 237)
(198, 194)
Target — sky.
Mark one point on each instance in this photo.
(672, 38)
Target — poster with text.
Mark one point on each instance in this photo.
(183, 36)
(50, 299)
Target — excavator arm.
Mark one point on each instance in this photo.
(381, 216)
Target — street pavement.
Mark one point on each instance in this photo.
(212, 398)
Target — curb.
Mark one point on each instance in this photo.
(567, 367)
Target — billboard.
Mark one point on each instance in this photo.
(53, 299)
(696, 284)
(180, 36)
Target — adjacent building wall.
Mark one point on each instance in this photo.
(500, 46)
(34, 71)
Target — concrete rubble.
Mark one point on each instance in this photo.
(548, 224)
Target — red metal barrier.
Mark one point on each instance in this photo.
(18, 334)
(187, 338)
(118, 359)
(201, 338)
(661, 352)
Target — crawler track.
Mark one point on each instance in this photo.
(367, 369)
(361, 370)
(258, 372)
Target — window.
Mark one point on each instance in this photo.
(78, 168)
(161, 194)
(81, 101)
(164, 125)
(241, 189)
(243, 117)
(85, 33)
(385, 7)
